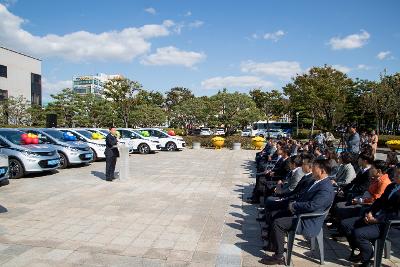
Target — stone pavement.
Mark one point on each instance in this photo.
(176, 209)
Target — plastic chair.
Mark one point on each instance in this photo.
(314, 239)
(382, 243)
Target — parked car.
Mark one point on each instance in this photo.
(71, 152)
(3, 170)
(97, 147)
(125, 141)
(220, 131)
(23, 159)
(205, 132)
(167, 142)
(246, 132)
(143, 145)
(272, 133)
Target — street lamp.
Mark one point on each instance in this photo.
(297, 128)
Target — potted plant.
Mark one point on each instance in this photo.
(257, 142)
(393, 144)
(218, 142)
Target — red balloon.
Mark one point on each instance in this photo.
(24, 136)
(35, 141)
(171, 132)
(28, 140)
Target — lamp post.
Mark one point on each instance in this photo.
(297, 123)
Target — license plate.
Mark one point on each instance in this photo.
(53, 162)
(2, 171)
(88, 156)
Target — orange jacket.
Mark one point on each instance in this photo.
(377, 187)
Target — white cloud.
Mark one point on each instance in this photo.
(363, 67)
(121, 45)
(173, 56)
(235, 81)
(281, 69)
(342, 68)
(274, 36)
(188, 14)
(151, 10)
(54, 87)
(383, 55)
(350, 42)
(255, 36)
(196, 24)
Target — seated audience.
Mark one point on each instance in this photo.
(346, 172)
(317, 198)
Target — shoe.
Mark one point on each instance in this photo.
(109, 180)
(364, 264)
(273, 260)
(331, 226)
(355, 258)
(261, 211)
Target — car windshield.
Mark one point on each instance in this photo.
(85, 133)
(138, 133)
(55, 134)
(104, 131)
(13, 136)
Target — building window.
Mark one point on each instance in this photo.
(3, 71)
(3, 95)
(36, 89)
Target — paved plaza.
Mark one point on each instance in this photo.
(174, 209)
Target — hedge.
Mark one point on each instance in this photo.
(205, 141)
(384, 138)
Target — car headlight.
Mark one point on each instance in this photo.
(73, 149)
(29, 154)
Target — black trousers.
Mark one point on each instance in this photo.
(110, 167)
(361, 235)
(280, 227)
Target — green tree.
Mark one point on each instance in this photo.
(121, 93)
(321, 93)
(235, 110)
(37, 116)
(15, 110)
(147, 115)
(144, 97)
(67, 105)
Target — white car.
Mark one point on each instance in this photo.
(97, 147)
(141, 144)
(220, 131)
(246, 132)
(205, 132)
(167, 142)
(272, 133)
(125, 141)
(3, 169)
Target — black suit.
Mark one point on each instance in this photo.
(111, 154)
(317, 198)
(359, 185)
(360, 234)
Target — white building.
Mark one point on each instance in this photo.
(20, 74)
(93, 84)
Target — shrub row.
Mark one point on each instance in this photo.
(384, 138)
(205, 141)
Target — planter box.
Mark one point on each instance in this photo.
(236, 146)
(196, 145)
(395, 147)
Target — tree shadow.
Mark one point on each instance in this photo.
(3, 209)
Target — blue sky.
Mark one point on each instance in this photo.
(203, 45)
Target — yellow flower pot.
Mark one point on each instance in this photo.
(393, 144)
(218, 142)
(257, 142)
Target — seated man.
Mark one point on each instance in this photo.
(346, 172)
(318, 197)
(281, 169)
(293, 177)
(361, 231)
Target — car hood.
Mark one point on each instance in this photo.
(79, 144)
(37, 148)
(100, 142)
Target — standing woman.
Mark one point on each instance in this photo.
(373, 142)
(111, 153)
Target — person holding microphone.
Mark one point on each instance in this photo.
(111, 153)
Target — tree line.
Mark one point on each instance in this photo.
(323, 98)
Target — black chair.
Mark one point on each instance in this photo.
(383, 243)
(314, 239)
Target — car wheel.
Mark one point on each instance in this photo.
(16, 170)
(94, 154)
(144, 149)
(63, 161)
(4, 182)
(171, 146)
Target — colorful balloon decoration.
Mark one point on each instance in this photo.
(118, 134)
(30, 138)
(69, 136)
(97, 136)
(171, 133)
(145, 133)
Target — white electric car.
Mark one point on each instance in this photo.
(167, 142)
(143, 145)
